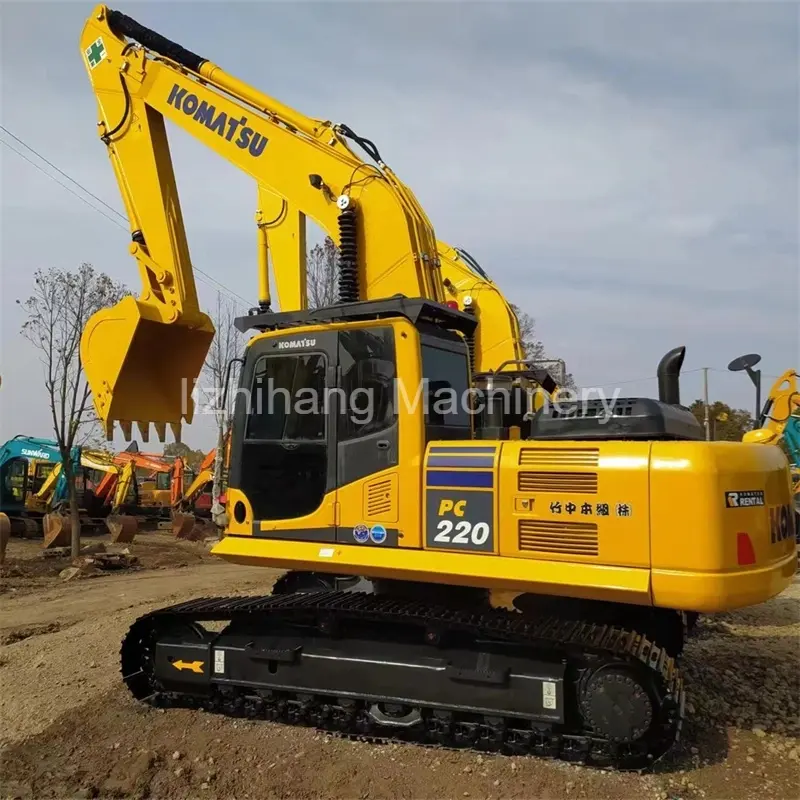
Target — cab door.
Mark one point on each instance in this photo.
(367, 433)
(283, 448)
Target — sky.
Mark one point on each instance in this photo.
(627, 173)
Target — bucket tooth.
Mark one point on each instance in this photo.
(122, 527)
(5, 535)
(144, 430)
(161, 431)
(127, 429)
(57, 530)
(175, 427)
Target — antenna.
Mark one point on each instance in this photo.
(746, 363)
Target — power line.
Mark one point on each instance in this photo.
(729, 372)
(215, 284)
(639, 380)
(683, 372)
(61, 172)
(62, 185)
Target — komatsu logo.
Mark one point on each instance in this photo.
(35, 454)
(225, 127)
(293, 345)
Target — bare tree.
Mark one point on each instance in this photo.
(227, 345)
(535, 350)
(533, 347)
(57, 312)
(322, 274)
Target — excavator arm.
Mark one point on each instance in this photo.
(780, 422)
(142, 356)
(781, 405)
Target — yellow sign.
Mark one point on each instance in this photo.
(194, 666)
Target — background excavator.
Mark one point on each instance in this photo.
(25, 463)
(779, 424)
(399, 528)
(106, 497)
(167, 490)
(191, 508)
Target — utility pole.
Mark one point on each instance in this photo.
(706, 422)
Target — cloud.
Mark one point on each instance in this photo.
(628, 173)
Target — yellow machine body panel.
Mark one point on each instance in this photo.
(691, 525)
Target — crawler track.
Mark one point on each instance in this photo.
(330, 660)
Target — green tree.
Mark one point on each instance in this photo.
(192, 458)
(726, 424)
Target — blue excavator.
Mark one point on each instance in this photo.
(25, 462)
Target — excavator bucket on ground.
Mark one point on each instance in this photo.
(122, 527)
(184, 526)
(5, 535)
(141, 368)
(57, 530)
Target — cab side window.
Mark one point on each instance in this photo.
(367, 364)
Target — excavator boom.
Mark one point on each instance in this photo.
(138, 88)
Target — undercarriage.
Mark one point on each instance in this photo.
(382, 666)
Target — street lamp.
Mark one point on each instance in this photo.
(746, 363)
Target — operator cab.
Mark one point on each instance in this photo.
(318, 406)
(14, 484)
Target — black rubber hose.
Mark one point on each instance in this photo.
(124, 25)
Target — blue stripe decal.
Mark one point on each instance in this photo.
(484, 480)
(464, 450)
(460, 461)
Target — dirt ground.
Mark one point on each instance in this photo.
(69, 729)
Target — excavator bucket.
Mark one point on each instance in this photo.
(122, 527)
(141, 368)
(5, 535)
(57, 530)
(184, 526)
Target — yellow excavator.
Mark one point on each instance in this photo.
(370, 461)
(779, 423)
(103, 507)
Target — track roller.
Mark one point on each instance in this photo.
(25, 527)
(122, 527)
